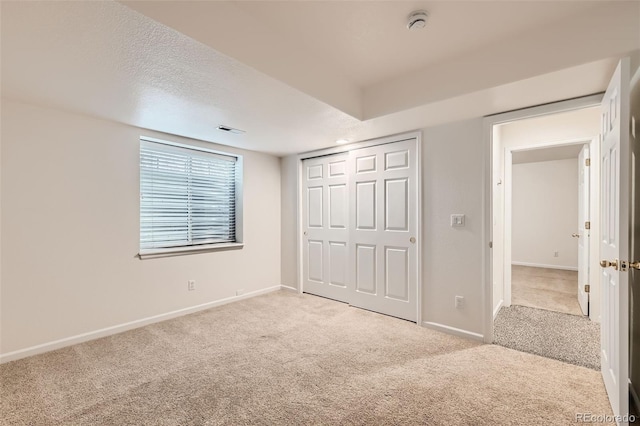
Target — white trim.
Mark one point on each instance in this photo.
(239, 199)
(594, 233)
(108, 331)
(487, 199)
(507, 227)
(300, 231)
(287, 288)
(191, 147)
(419, 219)
(359, 145)
(175, 251)
(487, 231)
(540, 265)
(417, 136)
(452, 330)
(497, 309)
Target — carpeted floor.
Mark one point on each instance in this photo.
(569, 338)
(543, 288)
(283, 359)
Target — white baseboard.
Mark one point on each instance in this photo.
(452, 330)
(108, 331)
(497, 309)
(287, 288)
(539, 265)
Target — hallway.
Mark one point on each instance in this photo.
(543, 288)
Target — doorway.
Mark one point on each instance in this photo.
(543, 237)
(549, 228)
(547, 232)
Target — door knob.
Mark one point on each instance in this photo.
(412, 240)
(634, 265)
(574, 235)
(607, 263)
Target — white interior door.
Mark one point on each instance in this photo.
(326, 224)
(384, 240)
(360, 220)
(614, 243)
(583, 233)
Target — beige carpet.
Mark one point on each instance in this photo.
(542, 288)
(283, 359)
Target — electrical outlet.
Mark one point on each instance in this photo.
(459, 302)
(555, 254)
(191, 285)
(240, 292)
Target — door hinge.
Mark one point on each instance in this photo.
(587, 288)
(587, 225)
(587, 161)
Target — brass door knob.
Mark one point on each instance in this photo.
(607, 263)
(634, 265)
(574, 235)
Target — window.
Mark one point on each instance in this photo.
(190, 198)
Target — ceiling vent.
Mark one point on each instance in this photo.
(418, 20)
(230, 130)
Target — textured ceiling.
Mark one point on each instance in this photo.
(285, 89)
(359, 57)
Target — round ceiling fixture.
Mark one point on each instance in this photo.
(418, 20)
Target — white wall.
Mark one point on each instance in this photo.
(289, 220)
(70, 231)
(545, 214)
(453, 175)
(452, 164)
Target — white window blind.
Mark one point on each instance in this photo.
(187, 196)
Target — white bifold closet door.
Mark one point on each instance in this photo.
(326, 225)
(360, 219)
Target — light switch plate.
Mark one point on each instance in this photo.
(457, 220)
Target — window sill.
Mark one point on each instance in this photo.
(181, 251)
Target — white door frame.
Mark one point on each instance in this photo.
(487, 198)
(417, 136)
(585, 195)
(508, 204)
